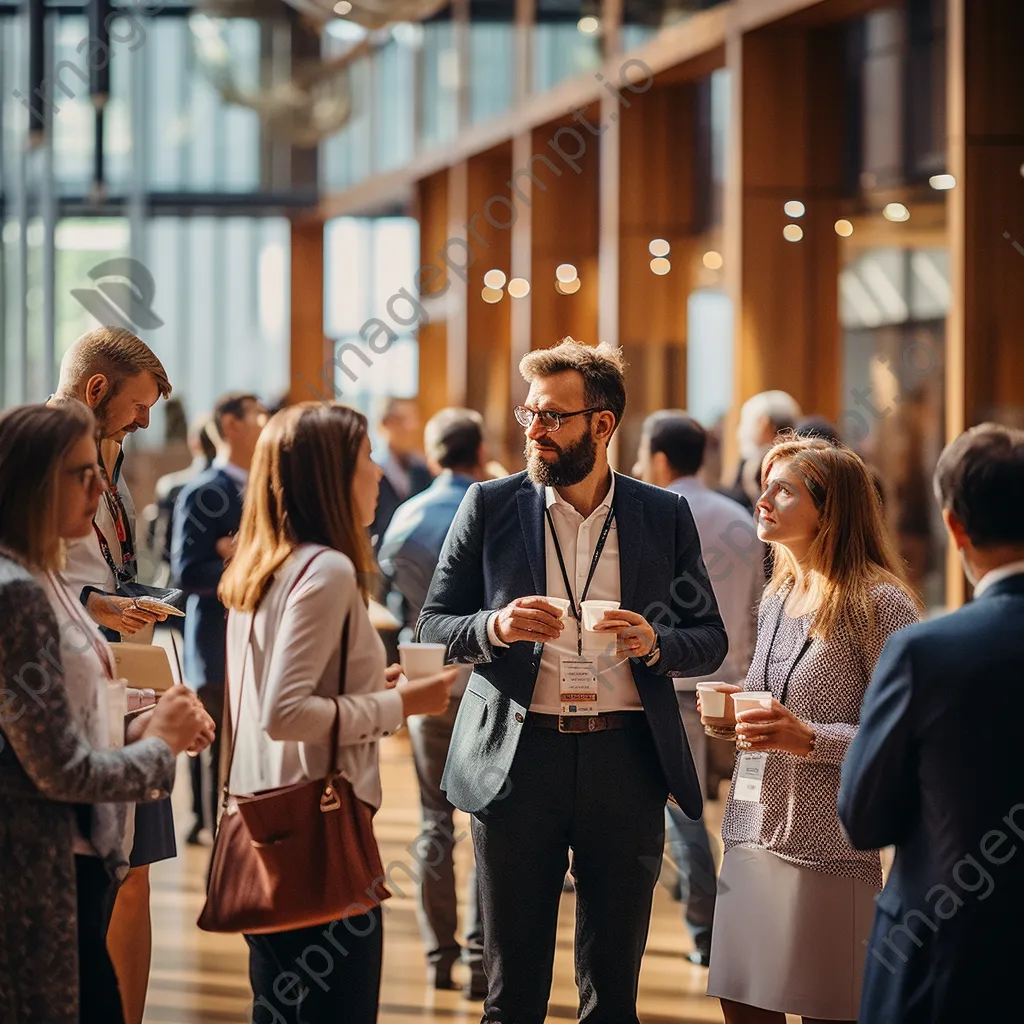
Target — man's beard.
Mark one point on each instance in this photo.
(572, 466)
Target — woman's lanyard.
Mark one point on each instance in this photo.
(792, 667)
(577, 610)
(128, 570)
(74, 613)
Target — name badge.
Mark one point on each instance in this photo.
(750, 777)
(577, 685)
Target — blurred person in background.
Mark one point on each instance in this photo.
(762, 417)
(795, 899)
(819, 426)
(408, 555)
(62, 785)
(117, 375)
(298, 582)
(925, 774)
(160, 515)
(206, 519)
(671, 454)
(405, 471)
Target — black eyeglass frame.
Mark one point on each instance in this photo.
(529, 415)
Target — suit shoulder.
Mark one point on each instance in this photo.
(497, 491)
(213, 478)
(648, 494)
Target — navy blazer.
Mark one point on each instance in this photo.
(208, 508)
(935, 770)
(495, 553)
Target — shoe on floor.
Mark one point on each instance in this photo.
(476, 987)
(698, 958)
(440, 977)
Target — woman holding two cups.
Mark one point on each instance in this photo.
(796, 899)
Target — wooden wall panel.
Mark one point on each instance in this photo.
(311, 369)
(432, 213)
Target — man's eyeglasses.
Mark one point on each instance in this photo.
(549, 420)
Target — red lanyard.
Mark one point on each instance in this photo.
(99, 646)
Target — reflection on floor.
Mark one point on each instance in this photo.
(199, 977)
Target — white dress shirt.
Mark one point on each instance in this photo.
(734, 558)
(282, 729)
(578, 539)
(993, 576)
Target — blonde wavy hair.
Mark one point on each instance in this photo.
(852, 553)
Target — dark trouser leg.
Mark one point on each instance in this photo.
(337, 966)
(521, 843)
(473, 954)
(99, 995)
(212, 696)
(437, 906)
(618, 840)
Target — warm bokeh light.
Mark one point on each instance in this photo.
(568, 288)
(896, 212)
(660, 266)
(794, 208)
(713, 260)
(658, 247)
(942, 182)
(792, 232)
(844, 228)
(566, 272)
(494, 279)
(491, 295)
(519, 287)
(342, 8)
(588, 25)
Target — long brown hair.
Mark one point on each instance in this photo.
(852, 552)
(299, 492)
(34, 439)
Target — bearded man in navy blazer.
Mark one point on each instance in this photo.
(570, 738)
(934, 772)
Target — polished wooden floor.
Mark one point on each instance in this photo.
(200, 977)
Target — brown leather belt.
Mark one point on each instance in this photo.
(586, 723)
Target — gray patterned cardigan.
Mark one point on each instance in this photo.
(45, 766)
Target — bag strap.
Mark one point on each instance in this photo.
(241, 686)
(336, 727)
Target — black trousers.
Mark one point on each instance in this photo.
(327, 974)
(602, 795)
(99, 996)
(205, 769)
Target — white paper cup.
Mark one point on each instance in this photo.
(593, 612)
(420, 660)
(561, 603)
(751, 700)
(712, 700)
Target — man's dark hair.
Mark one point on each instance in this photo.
(817, 426)
(679, 437)
(453, 437)
(231, 404)
(602, 369)
(980, 479)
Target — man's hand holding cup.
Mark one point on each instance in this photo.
(531, 619)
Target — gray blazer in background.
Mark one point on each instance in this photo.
(495, 553)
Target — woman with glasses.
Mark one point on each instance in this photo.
(63, 783)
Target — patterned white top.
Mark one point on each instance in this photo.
(796, 818)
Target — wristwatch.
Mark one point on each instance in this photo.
(651, 658)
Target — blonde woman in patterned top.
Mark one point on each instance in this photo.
(796, 900)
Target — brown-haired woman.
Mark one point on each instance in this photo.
(302, 568)
(796, 900)
(59, 861)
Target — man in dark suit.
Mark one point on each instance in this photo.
(207, 515)
(406, 473)
(932, 773)
(570, 737)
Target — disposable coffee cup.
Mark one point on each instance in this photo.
(751, 700)
(593, 612)
(421, 660)
(561, 603)
(712, 700)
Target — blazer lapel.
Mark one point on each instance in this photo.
(531, 518)
(629, 516)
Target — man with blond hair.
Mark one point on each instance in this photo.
(120, 379)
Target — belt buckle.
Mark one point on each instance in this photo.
(563, 722)
(592, 723)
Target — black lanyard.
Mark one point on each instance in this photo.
(792, 667)
(577, 612)
(128, 570)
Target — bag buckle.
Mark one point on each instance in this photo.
(329, 799)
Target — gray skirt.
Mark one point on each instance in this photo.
(789, 938)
